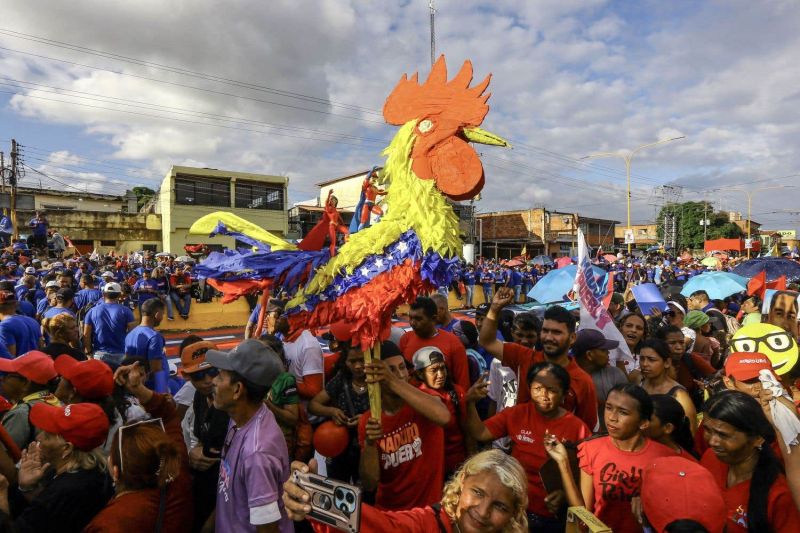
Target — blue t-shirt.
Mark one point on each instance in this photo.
(469, 278)
(27, 308)
(109, 326)
(21, 291)
(53, 311)
(20, 331)
(39, 226)
(146, 284)
(42, 306)
(85, 297)
(516, 278)
(147, 343)
(487, 280)
(254, 314)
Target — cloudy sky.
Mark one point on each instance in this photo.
(106, 95)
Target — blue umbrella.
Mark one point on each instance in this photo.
(774, 266)
(541, 260)
(555, 286)
(653, 248)
(718, 285)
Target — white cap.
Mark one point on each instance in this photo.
(51, 284)
(30, 270)
(108, 274)
(173, 369)
(112, 287)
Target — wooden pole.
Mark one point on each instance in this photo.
(374, 389)
(261, 314)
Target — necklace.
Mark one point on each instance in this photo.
(359, 388)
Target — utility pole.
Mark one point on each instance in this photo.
(13, 183)
(433, 34)
(3, 178)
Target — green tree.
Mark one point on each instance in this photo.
(143, 194)
(690, 232)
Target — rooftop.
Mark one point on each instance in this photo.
(336, 180)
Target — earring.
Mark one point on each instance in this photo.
(759, 447)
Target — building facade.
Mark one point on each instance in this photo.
(188, 193)
(504, 234)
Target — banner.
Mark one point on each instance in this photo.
(594, 315)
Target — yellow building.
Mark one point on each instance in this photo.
(188, 193)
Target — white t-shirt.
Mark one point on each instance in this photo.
(185, 396)
(305, 359)
(503, 388)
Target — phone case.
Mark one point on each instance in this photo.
(333, 503)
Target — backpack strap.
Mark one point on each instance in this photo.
(437, 507)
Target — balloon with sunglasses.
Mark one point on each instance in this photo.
(772, 341)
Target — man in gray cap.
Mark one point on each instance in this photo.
(590, 350)
(255, 461)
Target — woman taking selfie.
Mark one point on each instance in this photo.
(745, 467)
(527, 424)
(607, 462)
(486, 494)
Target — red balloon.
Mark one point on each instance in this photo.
(330, 440)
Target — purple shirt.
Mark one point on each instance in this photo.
(251, 475)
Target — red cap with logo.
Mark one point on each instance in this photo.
(92, 378)
(744, 366)
(85, 425)
(34, 365)
(674, 488)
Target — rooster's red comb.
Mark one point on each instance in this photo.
(453, 100)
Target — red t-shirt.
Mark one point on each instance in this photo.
(411, 460)
(781, 511)
(526, 428)
(455, 450)
(582, 396)
(617, 478)
(419, 520)
(455, 355)
(684, 374)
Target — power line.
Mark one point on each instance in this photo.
(175, 84)
(182, 71)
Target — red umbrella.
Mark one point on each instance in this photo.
(610, 258)
(514, 263)
(563, 261)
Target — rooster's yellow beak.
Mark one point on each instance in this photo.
(477, 135)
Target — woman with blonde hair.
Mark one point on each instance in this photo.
(63, 331)
(487, 494)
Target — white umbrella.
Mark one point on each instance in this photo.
(184, 259)
(164, 254)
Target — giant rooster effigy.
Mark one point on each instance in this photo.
(409, 251)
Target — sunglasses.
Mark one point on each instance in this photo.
(129, 426)
(201, 374)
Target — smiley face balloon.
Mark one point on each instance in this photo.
(772, 341)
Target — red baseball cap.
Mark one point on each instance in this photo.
(744, 366)
(34, 365)
(85, 425)
(674, 488)
(339, 331)
(92, 378)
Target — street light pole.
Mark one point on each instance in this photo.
(749, 201)
(628, 171)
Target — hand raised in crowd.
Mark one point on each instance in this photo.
(31, 469)
(373, 432)
(503, 297)
(480, 389)
(295, 499)
(199, 461)
(555, 448)
(129, 376)
(655, 312)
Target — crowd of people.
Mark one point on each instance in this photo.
(497, 420)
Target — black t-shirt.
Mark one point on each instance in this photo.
(68, 503)
(55, 349)
(336, 390)
(210, 425)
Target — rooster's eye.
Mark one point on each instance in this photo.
(425, 126)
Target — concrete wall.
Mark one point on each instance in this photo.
(46, 201)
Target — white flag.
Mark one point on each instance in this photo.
(594, 314)
(94, 256)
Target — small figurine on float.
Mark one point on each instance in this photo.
(367, 204)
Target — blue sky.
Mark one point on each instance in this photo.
(570, 78)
